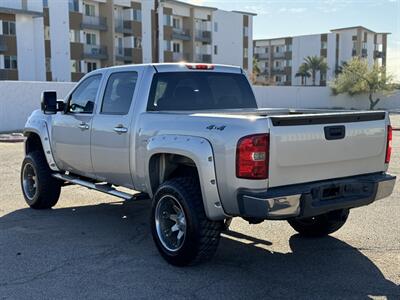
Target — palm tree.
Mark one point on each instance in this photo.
(316, 64)
(304, 73)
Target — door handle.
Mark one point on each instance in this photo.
(83, 126)
(120, 129)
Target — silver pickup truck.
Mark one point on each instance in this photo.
(191, 138)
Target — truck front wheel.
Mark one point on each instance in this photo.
(40, 189)
(321, 225)
(181, 231)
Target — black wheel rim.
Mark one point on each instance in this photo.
(29, 181)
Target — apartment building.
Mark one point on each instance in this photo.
(194, 33)
(21, 40)
(279, 59)
(81, 36)
(63, 40)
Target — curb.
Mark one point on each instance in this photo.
(12, 138)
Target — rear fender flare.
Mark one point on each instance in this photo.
(199, 150)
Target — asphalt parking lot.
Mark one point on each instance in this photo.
(93, 246)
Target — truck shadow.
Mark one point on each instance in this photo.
(106, 250)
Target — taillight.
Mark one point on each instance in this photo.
(389, 144)
(252, 157)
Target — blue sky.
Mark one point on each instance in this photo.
(288, 18)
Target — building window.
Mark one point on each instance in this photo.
(47, 33)
(364, 45)
(323, 76)
(90, 10)
(278, 78)
(246, 53)
(137, 15)
(167, 45)
(176, 47)
(91, 39)
(8, 27)
(278, 64)
(324, 45)
(10, 62)
(354, 45)
(215, 49)
(288, 63)
(246, 31)
(215, 27)
(74, 36)
(289, 47)
(137, 42)
(167, 20)
(91, 66)
(75, 66)
(176, 23)
(48, 64)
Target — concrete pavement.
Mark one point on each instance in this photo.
(93, 246)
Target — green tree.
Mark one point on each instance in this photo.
(357, 78)
(316, 64)
(304, 73)
(256, 69)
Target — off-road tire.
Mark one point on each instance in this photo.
(48, 188)
(202, 235)
(321, 225)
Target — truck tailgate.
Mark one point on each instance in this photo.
(306, 148)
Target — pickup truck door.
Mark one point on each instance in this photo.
(71, 130)
(111, 130)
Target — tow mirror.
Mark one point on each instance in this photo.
(50, 104)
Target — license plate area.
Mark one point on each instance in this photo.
(334, 191)
(331, 192)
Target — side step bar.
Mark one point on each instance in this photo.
(104, 188)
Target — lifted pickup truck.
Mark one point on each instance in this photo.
(190, 136)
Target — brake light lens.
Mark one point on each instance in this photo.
(252, 157)
(200, 66)
(389, 144)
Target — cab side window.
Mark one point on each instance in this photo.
(83, 97)
(119, 92)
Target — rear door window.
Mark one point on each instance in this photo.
(119, 92)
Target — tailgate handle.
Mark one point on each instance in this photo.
(335, 132)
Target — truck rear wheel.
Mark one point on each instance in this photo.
(321, 225)
(40, 189)
(181, 231)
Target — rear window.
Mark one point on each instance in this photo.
(200, 91)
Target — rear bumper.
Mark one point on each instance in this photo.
(312, 199)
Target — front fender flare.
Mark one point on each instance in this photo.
(39, 127)
(199, 150)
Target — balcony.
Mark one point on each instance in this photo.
(6, 74)
(94, 22)
(279, 54)
(180, 56)
(262, 55)
(3, 44)
(123, 54)
(278, 71)
(203, 58)
(203, 36)
(95, 52)
(181, 34)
